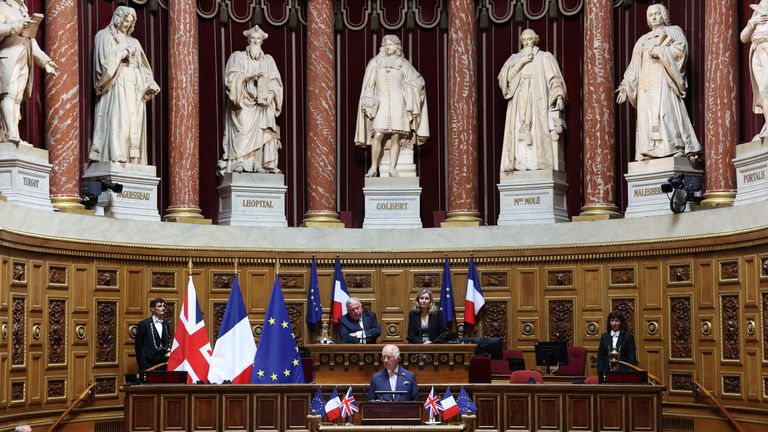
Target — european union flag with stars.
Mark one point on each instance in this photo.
(314, 306)
(277, 358)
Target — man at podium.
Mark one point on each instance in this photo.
(393, 383)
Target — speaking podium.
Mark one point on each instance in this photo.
(390, 413)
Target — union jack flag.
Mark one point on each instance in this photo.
(191, 349)
(432, 405)
(349, 405)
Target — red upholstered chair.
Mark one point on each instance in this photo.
(479, 370)
(524, 377)
(592, 379)
(577, 359)
(501, 367)
(308, 366)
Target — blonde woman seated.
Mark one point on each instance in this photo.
(425, 320)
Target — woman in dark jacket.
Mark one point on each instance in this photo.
(425, 320)
(618, 336)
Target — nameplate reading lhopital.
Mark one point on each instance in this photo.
(258, 203)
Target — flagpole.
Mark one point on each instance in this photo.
(189, 266)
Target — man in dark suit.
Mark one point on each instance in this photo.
(617, 336)
(358, 326)
(393, 377)
(153, 337)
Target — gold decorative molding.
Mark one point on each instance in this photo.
(652, 328)
(751, 327)
(80, 331)
(322, 219)
(592, 328)
(706, 328)
(36, 331)
(527, 329)
(456, 219)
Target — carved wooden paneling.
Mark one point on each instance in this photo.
(105, 385)
(359, 281)
(681, 328)
(625, 305)
(729, 271)
(622, 276)
(560, 278)
(495, 322)
(57, 388)
(19, 272)
(679, 274)
(171, 318)
(18, 388)
(218, 317)
(57, 331)
(764, 267)
(296, 312)
(107, 278)
(561, 320)
(681, 382)
(163, 280)
(292, 281)
(222, 281)
(427, 280)
(729, 325)
(494, 280)
(732, 385)
(58, 275)
(18, 331)
(764, 323)
(106, 331)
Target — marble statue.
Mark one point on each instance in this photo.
(393, 106)
(532, 83)
(756, 32)
(124, 84)
(19, 52)
(254, 100)
(655, 83)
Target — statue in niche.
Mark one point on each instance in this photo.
(393, 106)
(124, 84)
(532, 83)
(655, 83)
(756, 32)
(19, 52)
(254, 100)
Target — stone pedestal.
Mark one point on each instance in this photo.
(138, 199)
(405, 165)
(392, 202)
(529, 197)
(252, 199)
(25, 175)
(644, 180)
(751, 164)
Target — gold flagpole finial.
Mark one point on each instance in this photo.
(236, 265)
(189, 266)
(277, 265)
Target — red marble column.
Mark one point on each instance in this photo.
(462, 106)
(184, 117)
(720, 103)
(62, 117)
(321, 117)
(599, 133)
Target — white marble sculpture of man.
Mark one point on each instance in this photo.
(532, 83)
(19, 52)
(124, 84)
(655, 83)
(756, 32)
(393, 106)
(254, 100)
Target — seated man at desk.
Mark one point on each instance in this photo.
(358, 326)
(393, 378)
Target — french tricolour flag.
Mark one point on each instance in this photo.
(333, 406)
(340, 294)
(235, 348)
(450, 409)
(475, 299)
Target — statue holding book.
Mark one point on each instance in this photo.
(19, 52)
(756, 32)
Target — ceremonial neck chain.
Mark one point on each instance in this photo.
(154, 339)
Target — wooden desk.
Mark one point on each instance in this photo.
(501, 407)
(354, 364)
